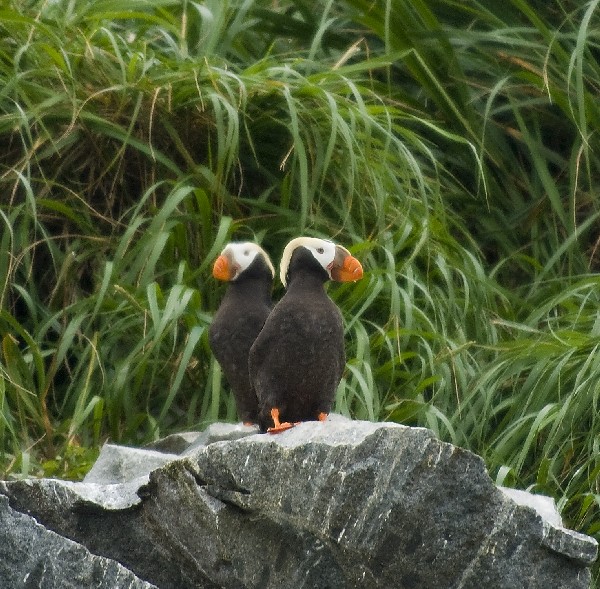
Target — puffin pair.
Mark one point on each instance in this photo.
(294, 361)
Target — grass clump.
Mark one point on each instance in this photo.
(452, 147)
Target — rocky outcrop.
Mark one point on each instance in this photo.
(335, 505)
(33, 556)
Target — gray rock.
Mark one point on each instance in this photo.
(32, 556)
(555, 536)
(335, 505)
(395, 506)
(120, 464)
(545, 507)
(221, 432)
(227, 432)
(174, 443)
(109, 497)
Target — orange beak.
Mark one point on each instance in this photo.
(221, 269)
(350, 271)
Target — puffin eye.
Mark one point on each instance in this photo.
(246, 252)
(320, 250)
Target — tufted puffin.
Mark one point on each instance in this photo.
(240, 317)
(297, 360)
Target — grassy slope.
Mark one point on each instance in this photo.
(450, 145)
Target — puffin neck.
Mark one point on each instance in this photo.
(256, 281)
(307, 279)
(252, 285)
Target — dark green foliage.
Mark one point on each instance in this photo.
(452, 146)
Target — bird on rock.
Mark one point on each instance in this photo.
(297, 360)
(249, 272)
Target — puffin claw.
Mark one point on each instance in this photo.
(279, 427)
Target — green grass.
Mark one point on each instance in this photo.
(453, 147)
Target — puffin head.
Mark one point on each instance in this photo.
(335, 260)
(236, 258)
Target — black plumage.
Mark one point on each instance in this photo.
(297, 360)
(239, 319)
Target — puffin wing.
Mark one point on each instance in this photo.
(260, 352)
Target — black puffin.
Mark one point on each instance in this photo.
(240, 317)
(297, 360)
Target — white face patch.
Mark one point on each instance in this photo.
(322, 249)
(242, 253)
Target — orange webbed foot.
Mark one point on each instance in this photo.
(278, 426)
(322, 416)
